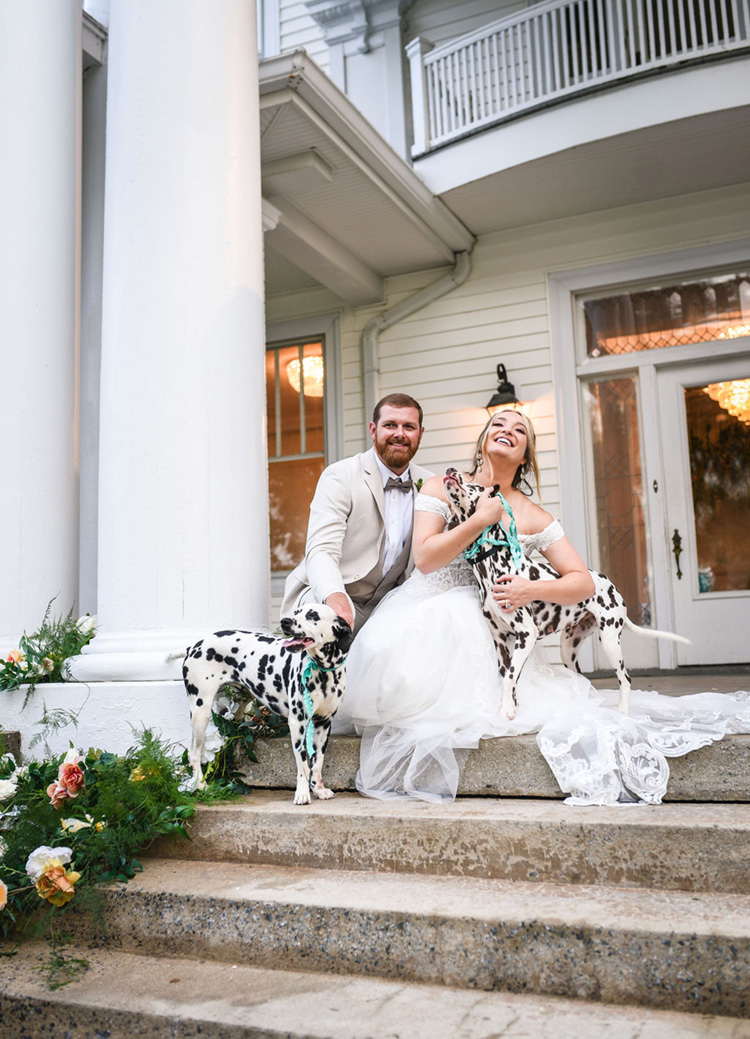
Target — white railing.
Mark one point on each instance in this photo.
(557, 48)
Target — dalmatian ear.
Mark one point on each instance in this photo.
(343, 633)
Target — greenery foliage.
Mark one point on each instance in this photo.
(42, 656)
(239, 729)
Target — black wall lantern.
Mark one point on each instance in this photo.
(505, 394)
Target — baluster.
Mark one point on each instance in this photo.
(693, 41)
(558, 72)
(602, 65)
(631, 33)
(681, 18)
(716, 33)
(639, 19)
(651, 53)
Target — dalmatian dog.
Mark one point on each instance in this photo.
(301, 676)
(515, 634)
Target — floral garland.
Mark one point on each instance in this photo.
(79, 820)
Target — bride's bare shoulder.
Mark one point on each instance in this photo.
(434, 487)
(534, 519)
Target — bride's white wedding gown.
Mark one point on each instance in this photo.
(423, 688)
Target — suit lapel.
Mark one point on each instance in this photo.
(374, 480)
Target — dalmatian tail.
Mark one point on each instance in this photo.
(653, 633)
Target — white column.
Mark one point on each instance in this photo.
(40, 77)
(415, 52)
(183, 514)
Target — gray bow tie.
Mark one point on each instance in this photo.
(394, 484)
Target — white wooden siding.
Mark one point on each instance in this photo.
(297, 29)
(441, 20)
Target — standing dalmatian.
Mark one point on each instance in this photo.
(301, 676)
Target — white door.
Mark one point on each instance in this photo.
(706, 470)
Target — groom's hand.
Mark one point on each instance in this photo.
(340, 603)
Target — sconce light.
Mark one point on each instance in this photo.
(313, 374)
(505, 393)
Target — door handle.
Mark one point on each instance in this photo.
(677, 549)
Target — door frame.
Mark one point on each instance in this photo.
(568, 370)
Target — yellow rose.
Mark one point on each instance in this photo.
(56, 885)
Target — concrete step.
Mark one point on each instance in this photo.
(667, 950)
(124, 995)
(514, 767)
(669, 847)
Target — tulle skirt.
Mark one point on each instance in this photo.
(423, 688)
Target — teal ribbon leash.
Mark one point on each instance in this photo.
(307, 669)
(510, 539)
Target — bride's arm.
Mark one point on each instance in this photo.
(434, 547)
(573, 585)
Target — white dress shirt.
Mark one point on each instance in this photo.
(399, 515)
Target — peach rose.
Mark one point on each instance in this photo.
(57, 793)
(3, 896)
(56, 885)
(70, 776)
(15, 656)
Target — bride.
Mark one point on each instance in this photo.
(423, 685)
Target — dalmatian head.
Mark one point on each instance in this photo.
(462, 496)
(319, 630)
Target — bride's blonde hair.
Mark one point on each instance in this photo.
(529, 464)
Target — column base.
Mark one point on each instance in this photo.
(133, 657)
(105, 715)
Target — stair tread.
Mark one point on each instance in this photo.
(450, 897)
(222, 999)
(537, 811)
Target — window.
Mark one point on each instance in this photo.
(295, 399)
(671, 315)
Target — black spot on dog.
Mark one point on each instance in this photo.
(199, 702)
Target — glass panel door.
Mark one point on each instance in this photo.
(705, 435)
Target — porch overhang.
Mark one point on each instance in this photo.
(348, 211)
(676, 133)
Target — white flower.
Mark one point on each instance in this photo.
(39, 861)
(7, 789)
(86, 624)
(72, 757)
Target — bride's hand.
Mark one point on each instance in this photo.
(512, 592)
(489, 510)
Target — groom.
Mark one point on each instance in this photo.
(361, 518)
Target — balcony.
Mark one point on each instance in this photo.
(558, 50)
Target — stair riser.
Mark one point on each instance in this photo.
(675, 858)
(24, 1018)
(689, 972)
(515, 768)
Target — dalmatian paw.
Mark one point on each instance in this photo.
(323, 793)
(302, 793)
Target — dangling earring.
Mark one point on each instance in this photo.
(479, 462)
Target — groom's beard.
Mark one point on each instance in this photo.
(395, 455)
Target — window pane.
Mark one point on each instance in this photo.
(673, 315)
(720, 474)
(295, 395)
(291, 486)
(613, 415)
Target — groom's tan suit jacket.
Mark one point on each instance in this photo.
(346, 538)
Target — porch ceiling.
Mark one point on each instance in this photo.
(348, 211)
